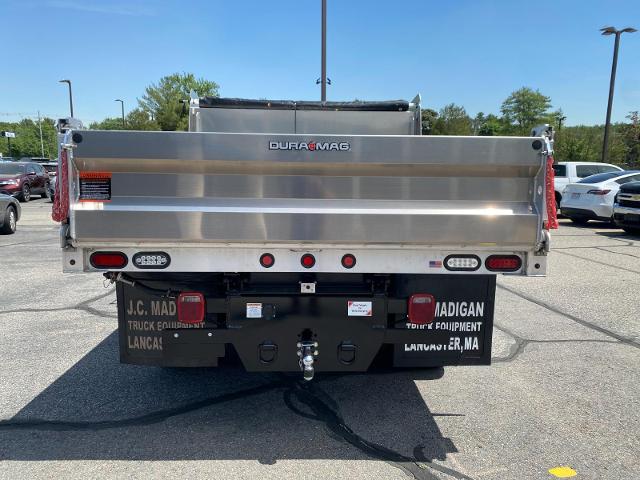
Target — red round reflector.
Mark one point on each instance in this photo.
(503, 263)
(267, 260)
(308, 260)
(108, 260)
(348, 261)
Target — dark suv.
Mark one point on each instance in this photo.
(23, 179)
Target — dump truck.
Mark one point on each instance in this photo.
(301, 236)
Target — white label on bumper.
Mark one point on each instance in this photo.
(359, 309)
(254, 310)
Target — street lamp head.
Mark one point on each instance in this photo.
(608, 31)
(118, 100)
(629, 30)
(64, 81)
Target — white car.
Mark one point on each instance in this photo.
(592, 197)
(571, 172)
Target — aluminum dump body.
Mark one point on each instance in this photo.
(248, 188)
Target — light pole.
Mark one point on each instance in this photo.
(323, 74)
(122, 106)
(70, 95)
(614, 64)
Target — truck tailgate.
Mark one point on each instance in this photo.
(224, 188)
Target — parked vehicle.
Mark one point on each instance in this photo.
(39, 160)
(10, 212)
(23, 179)
(572, 172)
(52, 188)
(626, 210)
(343, 237)
(592, 197)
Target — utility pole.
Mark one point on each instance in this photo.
(323, 77)
(41, 141)
(614, 65)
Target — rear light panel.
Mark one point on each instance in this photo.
(469, 263)
(503, 263)
(191, 307)
(108, 260)
(598, 192)
(422, 308)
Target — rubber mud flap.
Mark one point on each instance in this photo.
(461, 332)
(141, 321)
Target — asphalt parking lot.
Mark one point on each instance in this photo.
(564, 388)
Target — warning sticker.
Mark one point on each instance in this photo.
(254, 310)
(359, 309)
(95, 186)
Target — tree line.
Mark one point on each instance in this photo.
(524, 109)
(164, 106)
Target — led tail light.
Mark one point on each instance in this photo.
(267, 260)
(503, 263)
(422, 308)
(348, 261)
(462, 262)
(191, 307)
(108, 260)
(598, 192)
(307, 260)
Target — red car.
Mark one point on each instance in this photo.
(23, 179)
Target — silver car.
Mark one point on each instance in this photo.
(10, 212)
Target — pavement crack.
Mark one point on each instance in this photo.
(142, 420)
(621, 338)
(619, 253)
(599, 262)
(311, 396)
(83, 306)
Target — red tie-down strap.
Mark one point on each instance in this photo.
(60, 210)
(552, 214)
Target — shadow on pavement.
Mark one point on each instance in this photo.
(100, 409)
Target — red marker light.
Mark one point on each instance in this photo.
(190, 307)
(267, 260)
(503, 263)
(307, 260)
(108, 260)
(348, 261)
(422, 308)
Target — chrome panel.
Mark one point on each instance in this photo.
(325, 122)
(387, 190)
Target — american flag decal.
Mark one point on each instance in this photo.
(435, 263)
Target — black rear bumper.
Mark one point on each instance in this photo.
(581, 213)
(461, 333)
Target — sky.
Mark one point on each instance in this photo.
(472, 53)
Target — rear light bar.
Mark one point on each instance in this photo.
(191, 307)
(503, 263)
(462, 262)
(598, 192)
(108, 260)
(422, 308)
